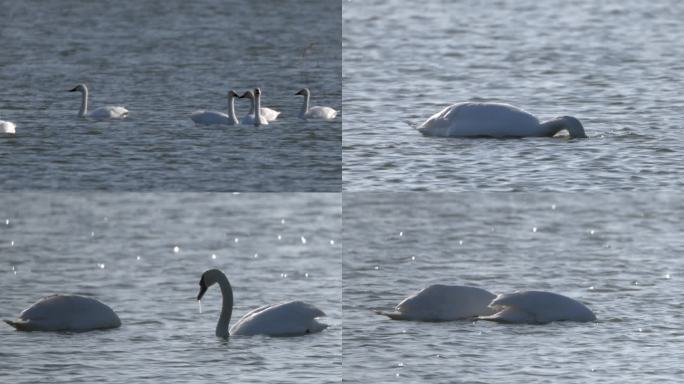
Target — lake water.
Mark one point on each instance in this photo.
(615, 65)
(119, 248)
(164, 60)
(619, 253)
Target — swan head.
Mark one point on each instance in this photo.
(257, 92)
(303, 92)
(79, 88)
(232, 93)
(209, 278)
(248, 94)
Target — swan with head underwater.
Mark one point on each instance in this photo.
(448, 303)
(102, 113)
(66, 313)
(316, 112)
(217, 118)
(495, 120)
(291, 318)
(266, 113)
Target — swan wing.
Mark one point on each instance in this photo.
(210, 118)
(542, 307)
(269, 114)
(445, 302)
(482, 119)
(321, 113)
(66, 313)
(284, 319)
(7, 127)
(109, 112)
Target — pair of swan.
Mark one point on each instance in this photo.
(495, 120)
(453, 302)
(79, 314)
(256, 116)
(102, 113)
(259, 115)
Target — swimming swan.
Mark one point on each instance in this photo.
(444, 303)
(537, 307)
(284, 319)
(102, 113)
(268, 113)
(314, 113)
(257, 118)
(217, 118)
(66, 313)
(7, 127)
(495, 120)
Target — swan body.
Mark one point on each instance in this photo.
(7, 127)
(217, 118)
(316, 112)
(285, 319)
(537, 307)
(267, 113)
(66, 313)
(444, 303)
(495, 120)
(102, 113)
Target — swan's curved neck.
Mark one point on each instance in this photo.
(226, 308)
(305, 106)
(233, 118)
(84, 103)
(257, 110)
(568, 123)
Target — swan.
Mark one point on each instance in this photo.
(495, 120)
(102, 113)
(444, 303)
(537, 307)
(285, 319)
(7, 127)
(218, 118)
(314, 113)
(66, 313)
(268, 113)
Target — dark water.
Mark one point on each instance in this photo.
(120, 249)
(619, 253)
(615, 65)
(163, 60)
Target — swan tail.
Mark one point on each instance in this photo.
(391, 315)
(18, 325)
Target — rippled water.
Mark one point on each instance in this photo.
(120, 249)
(164, 60)
(616, 65)
(620, 254)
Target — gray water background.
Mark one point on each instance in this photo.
(163, 60)
(119, 248)
(616, 65)
(620, 254)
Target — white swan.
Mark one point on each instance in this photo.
(7, 127)
(444, 303)
(314, 113)
(102, 113)
(495, 120)
(66, 313)
(537, 307)
(284, 319)
(218, 118)
(268, 113)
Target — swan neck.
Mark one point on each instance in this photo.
(226, 308)
(568, 123)
(305, 106)
(84, 103)
(231, 115)
(257, 110)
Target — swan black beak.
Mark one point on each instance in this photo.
(73, 90)
(203, 289)
(300, 93)
(243, 95)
